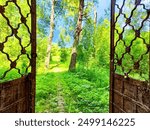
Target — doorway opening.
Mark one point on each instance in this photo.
(86, 62)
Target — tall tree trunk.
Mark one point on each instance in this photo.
(72, 65)
(95, 23)
(49, 47)
(95, 16)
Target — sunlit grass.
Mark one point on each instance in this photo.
(54, 67)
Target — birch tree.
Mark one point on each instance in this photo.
(78, 30)
(52, 24)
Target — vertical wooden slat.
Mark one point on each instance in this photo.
(149, 58)
(14, 96)
(33, 54)
(112, 54)
(134, 98)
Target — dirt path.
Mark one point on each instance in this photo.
(60, 98)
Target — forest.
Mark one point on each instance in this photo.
(77, 62)
(73, 51)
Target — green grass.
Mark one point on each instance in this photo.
(82, 95)
(46, 93)
(82, 90)
(13, 74)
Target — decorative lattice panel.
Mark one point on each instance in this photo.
(130, 56)
(15, 38)
(132, 40)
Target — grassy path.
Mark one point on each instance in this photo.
(60, 98)
(49, 94)
(60, 91)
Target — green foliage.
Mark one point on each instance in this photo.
(83, 94)
(80, 92)
(64, 54)
(97, 75)
(55, 50)
(102, 44)
(94, 47)
(46, 93)
(41, 49)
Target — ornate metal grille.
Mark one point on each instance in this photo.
(15, 38)
(132, 39)
(130, 56)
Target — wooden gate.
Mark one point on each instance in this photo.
(130, 56)
(17, 55)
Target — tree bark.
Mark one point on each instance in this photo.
(95, 23)
(52, 24)
(95, 16)
(72, 65)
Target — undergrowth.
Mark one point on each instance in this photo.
(83, 91)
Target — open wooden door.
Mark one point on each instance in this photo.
(17, 55)
(130, 56)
